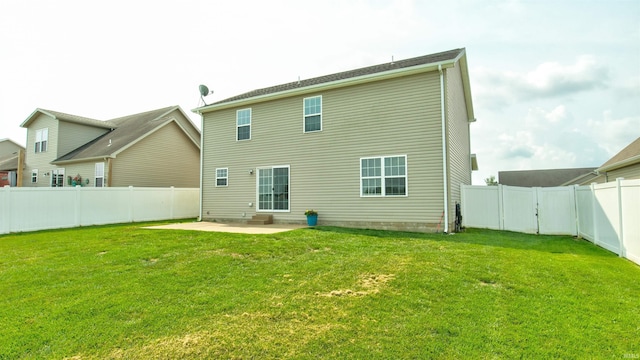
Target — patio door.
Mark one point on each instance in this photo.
(273, 188)
(57, 177)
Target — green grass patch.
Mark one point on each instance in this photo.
(124, 292)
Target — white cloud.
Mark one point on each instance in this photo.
(613, 134)
(496, 88)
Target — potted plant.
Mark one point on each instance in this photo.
(77, 180)
(312, 217)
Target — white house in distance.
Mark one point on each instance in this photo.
(385, 147)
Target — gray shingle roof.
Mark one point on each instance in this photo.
(78, 119)
(416, 61)
(542, 178)
(126, 130)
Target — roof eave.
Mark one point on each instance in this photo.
(466, 85)
(332, 85)
(626, 162)
(73, 161)
(30, 118)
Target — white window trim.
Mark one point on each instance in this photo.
(34, 174)
(56, 172)
(222, 177)
(258, 188)
(304, 116)
(383, 176)
(244, 125)
(42, 136)
(96, 177)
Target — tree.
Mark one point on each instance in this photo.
(491, 181)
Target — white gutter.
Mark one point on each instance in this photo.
(444, 152)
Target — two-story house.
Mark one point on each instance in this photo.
(158, 148)
(386, 146)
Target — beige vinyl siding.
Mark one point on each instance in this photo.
(187, 125)
(7, 148)
(86, 170)
(393, 117)
(41, 160)
(73, 135)
(458, 139)
(628, 173)
(162, 159)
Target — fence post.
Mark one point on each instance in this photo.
(78, 201)
(500, 207)
(131, 202)
(594, 218)
(577, 210)
(6, 211)
(622, 252)
(171, 205)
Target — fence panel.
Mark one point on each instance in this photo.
(30, 209)
(556, 211)
(584, 209)
(520, 209)
(104, 206)
(630, 196)
(41, 208)
(480, 207)
(607, 217)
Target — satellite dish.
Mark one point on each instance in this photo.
(204, 91)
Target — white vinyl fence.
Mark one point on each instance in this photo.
(606, 214)
(30, 209)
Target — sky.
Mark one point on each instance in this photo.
(555, 84)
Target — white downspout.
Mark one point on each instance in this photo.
(444, 152)
(201, 162)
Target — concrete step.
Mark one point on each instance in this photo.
(261, 219)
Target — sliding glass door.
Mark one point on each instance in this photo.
(273, 188)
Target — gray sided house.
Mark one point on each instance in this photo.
(158, 148)
(385, 147)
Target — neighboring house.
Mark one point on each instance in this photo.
(10, 153)
(384, 147)
(545, 178)
(625, 164)
(158, 148)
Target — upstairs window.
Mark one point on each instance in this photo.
(42, 136)
(243, 124)
(99, 178)
(383, 176)
(313, 114)
(222, 176)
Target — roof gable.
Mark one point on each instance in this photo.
(371, 73)
(56, 115)
(127, 131)
(627, 156)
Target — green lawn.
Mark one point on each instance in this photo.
(124, 292)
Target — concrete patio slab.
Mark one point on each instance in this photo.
(231, 228)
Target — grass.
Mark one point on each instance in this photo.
(124, 292)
